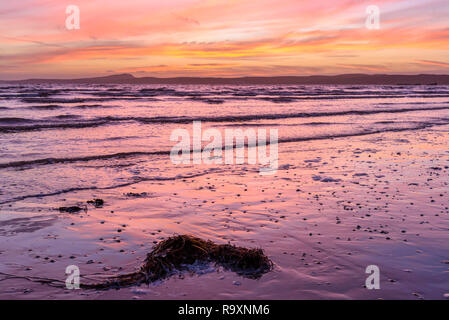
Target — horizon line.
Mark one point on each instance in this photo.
(345, 78)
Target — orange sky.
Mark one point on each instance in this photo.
(222, 38)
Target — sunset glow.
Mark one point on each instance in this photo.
(222, 38)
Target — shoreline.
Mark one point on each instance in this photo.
(369, 193)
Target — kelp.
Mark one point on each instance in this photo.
(98, 203)
(177, 253)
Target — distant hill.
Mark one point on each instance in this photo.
(349, 79)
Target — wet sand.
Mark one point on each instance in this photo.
(334, 207)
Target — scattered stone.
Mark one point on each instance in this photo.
(98, 203)
(72, 209)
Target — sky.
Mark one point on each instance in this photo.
(221, 38)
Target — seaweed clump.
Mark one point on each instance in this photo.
(72, 209)
(98, 203)
(177, 253)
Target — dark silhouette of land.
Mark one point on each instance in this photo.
(349, 79)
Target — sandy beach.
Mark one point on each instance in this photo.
(335, 206)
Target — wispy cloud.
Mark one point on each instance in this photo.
(434, 63)
(227, 37)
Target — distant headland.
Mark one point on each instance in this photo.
(344, 79)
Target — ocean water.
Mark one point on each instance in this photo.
(362, 180)
(98, 136)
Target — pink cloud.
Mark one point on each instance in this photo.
(191, 36)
